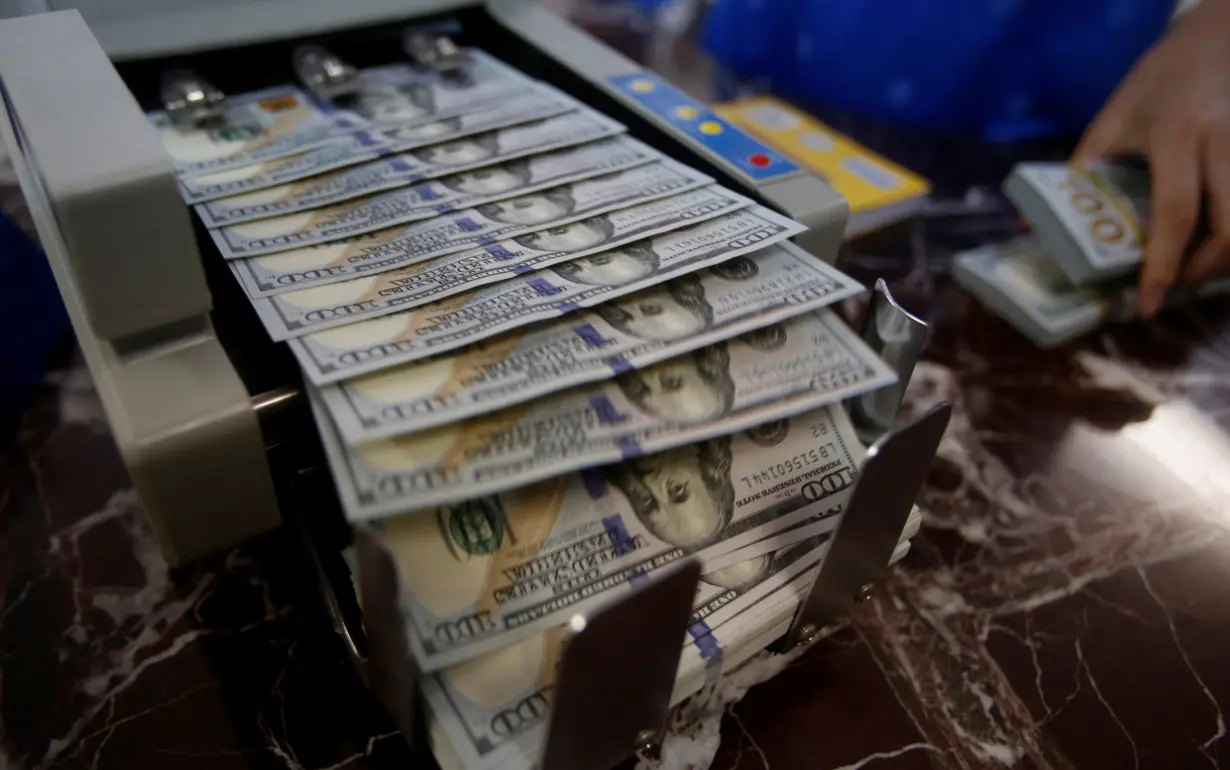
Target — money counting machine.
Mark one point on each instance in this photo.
(210, 415)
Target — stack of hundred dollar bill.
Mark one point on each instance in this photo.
(1075, 271)
(544, 360)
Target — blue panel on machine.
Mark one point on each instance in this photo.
(699, 122)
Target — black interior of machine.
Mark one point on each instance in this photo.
(305, 490)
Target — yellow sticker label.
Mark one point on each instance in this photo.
(866, 180)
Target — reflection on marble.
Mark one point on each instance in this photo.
(1069, 602)
(109, 659)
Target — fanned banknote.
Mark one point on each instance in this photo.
(418, 242)
(434, 279)
(495, 709)
(622, 235)
(276, 122)
(1019, 282)
(1091, 221)
(429, 200)
(477, 155)
(773, 373)
(407, 95)
(254, 127)
(471, 317)
(491, 571)
(361, 146)
(588, 346)
(383, 251)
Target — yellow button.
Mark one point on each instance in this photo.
(642, 86)
(711, 127)
(687, 113)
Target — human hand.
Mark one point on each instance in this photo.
(1174, 108)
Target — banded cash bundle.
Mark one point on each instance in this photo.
(492, 712)
(1018, 281)
(278, 122)
(769, 374)
(362, 146)
(474, 154)
(1092, 222)
(491, 571)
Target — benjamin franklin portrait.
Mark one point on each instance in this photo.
(575, 236)
(690, 389)
(459, 152)
(683, 496)
(530, 210)
(614, 267)
(664, 313)
(489, 180)
(425, 131)
(394, 104)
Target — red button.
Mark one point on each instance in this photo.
(760, 160)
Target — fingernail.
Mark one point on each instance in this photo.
(1151, 297)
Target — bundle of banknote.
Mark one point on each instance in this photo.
(1091, 221)
(1018, 281)
(545, 360)
(492, 711)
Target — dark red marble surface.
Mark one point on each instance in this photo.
(1066, 606)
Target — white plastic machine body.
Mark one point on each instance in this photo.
(103, 197)
(122, 244)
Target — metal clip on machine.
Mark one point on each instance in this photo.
(209, 413)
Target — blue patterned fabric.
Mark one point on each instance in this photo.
(1002, 70)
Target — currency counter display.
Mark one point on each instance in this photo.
(385, 207)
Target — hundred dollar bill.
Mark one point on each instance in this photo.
(610, 238)
(361, 146)
(1018, 281)
(495, 570)
(432, 199)
(770, 374)
(774, 542)
(444, 276)
(589, 346)
(467, 318)
(495, 709)
(405, 95)
(475, 154)
(254, 127)
(1091, 221)
(277, 122)
(480, 226)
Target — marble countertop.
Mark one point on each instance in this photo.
(1066, 606)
